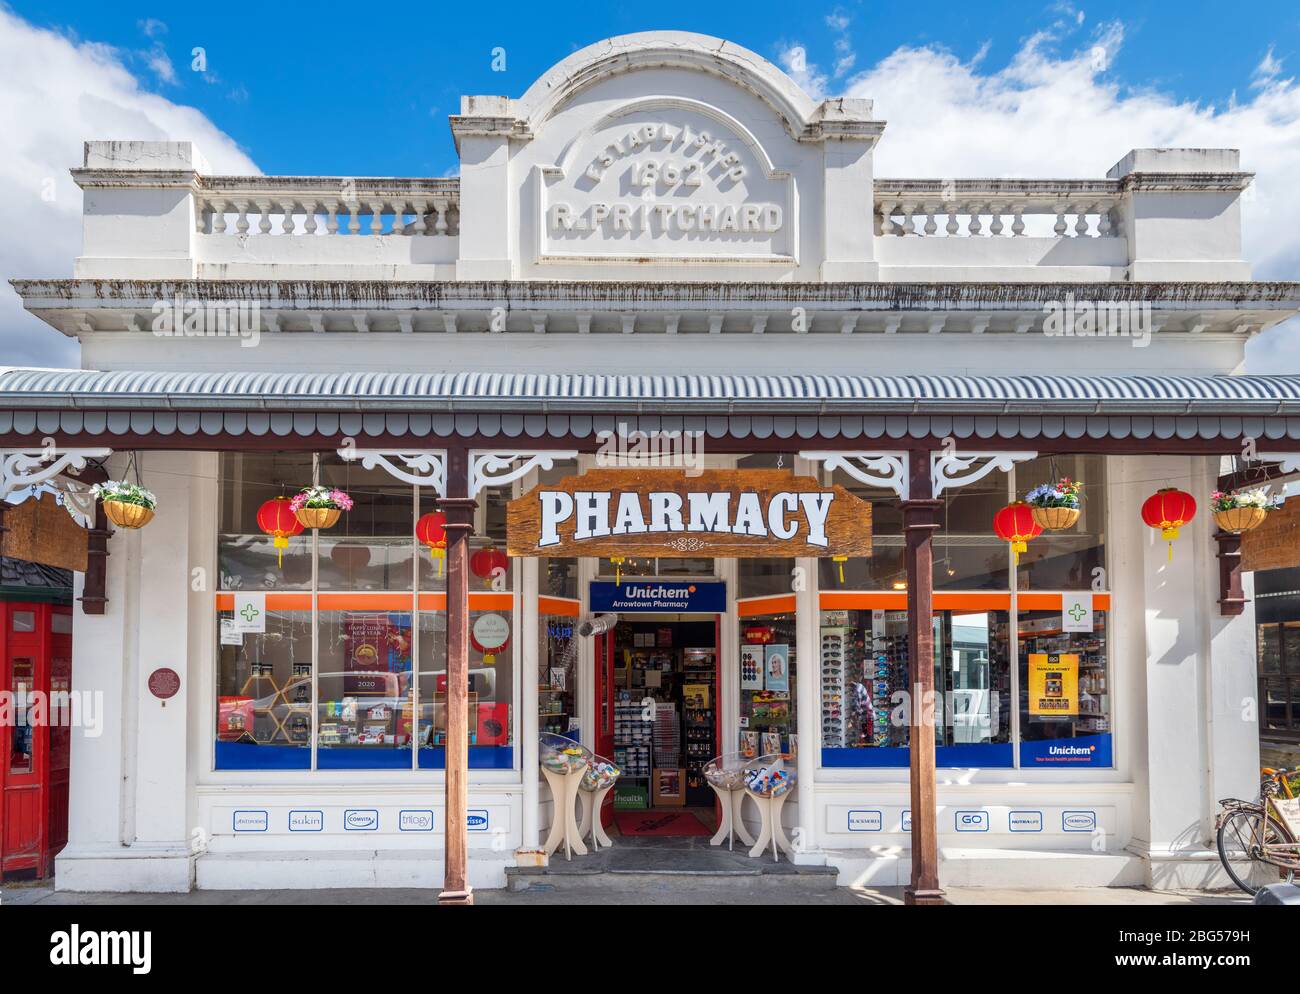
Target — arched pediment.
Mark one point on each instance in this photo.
(671, 49)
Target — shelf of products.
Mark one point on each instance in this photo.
(699, 720)
(767, 686)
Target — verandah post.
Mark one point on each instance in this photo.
(459, 508)
(920, 522)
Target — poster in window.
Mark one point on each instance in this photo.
(751, 667)
(375, 646)
(776, 667)
(1053, 684)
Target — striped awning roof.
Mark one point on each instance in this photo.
(514, 405)
(386, 391)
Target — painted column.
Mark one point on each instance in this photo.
(530, 646)
(808, 702)
(131, 777)
(459, 507)
(920, 522)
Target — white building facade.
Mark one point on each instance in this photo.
(664, 234)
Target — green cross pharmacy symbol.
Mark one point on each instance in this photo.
(1077, 612)
(249, 612)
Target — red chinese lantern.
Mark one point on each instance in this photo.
(1015, 524)
(1169, 510)
(487, 561)
(277, 519)
(431, 530)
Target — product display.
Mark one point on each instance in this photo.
(562, 755)
(601, 773)
(768, 670)
(768, 777)
(864, 662)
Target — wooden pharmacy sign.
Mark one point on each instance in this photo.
(1276, 543)
(664, 512)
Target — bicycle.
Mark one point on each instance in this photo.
(1266, 831)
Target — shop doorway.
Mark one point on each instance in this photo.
(657, 717)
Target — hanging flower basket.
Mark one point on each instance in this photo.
(1241, 511)
(1055, 506)
(319, 507)
(127, 505)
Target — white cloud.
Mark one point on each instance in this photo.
(1050, 114)
(54, 95)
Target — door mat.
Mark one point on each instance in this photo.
(659, 823)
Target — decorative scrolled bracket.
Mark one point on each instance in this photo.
(422, 467)
(887, 470)
(498, 468)
(953, 470)
(23, 468)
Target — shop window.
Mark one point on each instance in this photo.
(1075, 558)
(866, 686)
(972, 680)
(263, 716)
(768, 712)
(557, 675)
(364, 710)
(372, 546)
(246, 556)
(24, 621)
(491, 684)
(968, 555)
(1064, 693)
(758, 577)
(884, 569)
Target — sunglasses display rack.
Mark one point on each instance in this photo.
(888, 669)
(836, 671)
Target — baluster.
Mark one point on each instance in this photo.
(975, 228)
(332, 217)
(354, 217)
(219, 217)
(931, 226)
(1017, 220)
(952, 227)
(421, 222)
(1081, 222)
(264, 225)
(241, 223)
(309, 216)
(1060, 227)
(1105, 228)
(289, 224)
(376, 216)
(909, 223)
(202, 212)
(887, 225)
(399, 217)
(995, 227)
(443, 227)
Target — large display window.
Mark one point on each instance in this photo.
(768, 685)
(320, 664)
(1064, 693)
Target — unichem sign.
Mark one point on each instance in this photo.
(694, 597)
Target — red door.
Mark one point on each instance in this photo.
(604, 724)
(24, 744)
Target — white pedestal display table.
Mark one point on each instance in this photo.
(564, 763)
(599, 780)
(769, 783)
(726, 775)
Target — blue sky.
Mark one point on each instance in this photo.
(348, 89)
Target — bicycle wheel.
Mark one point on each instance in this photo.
(1238, 838)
